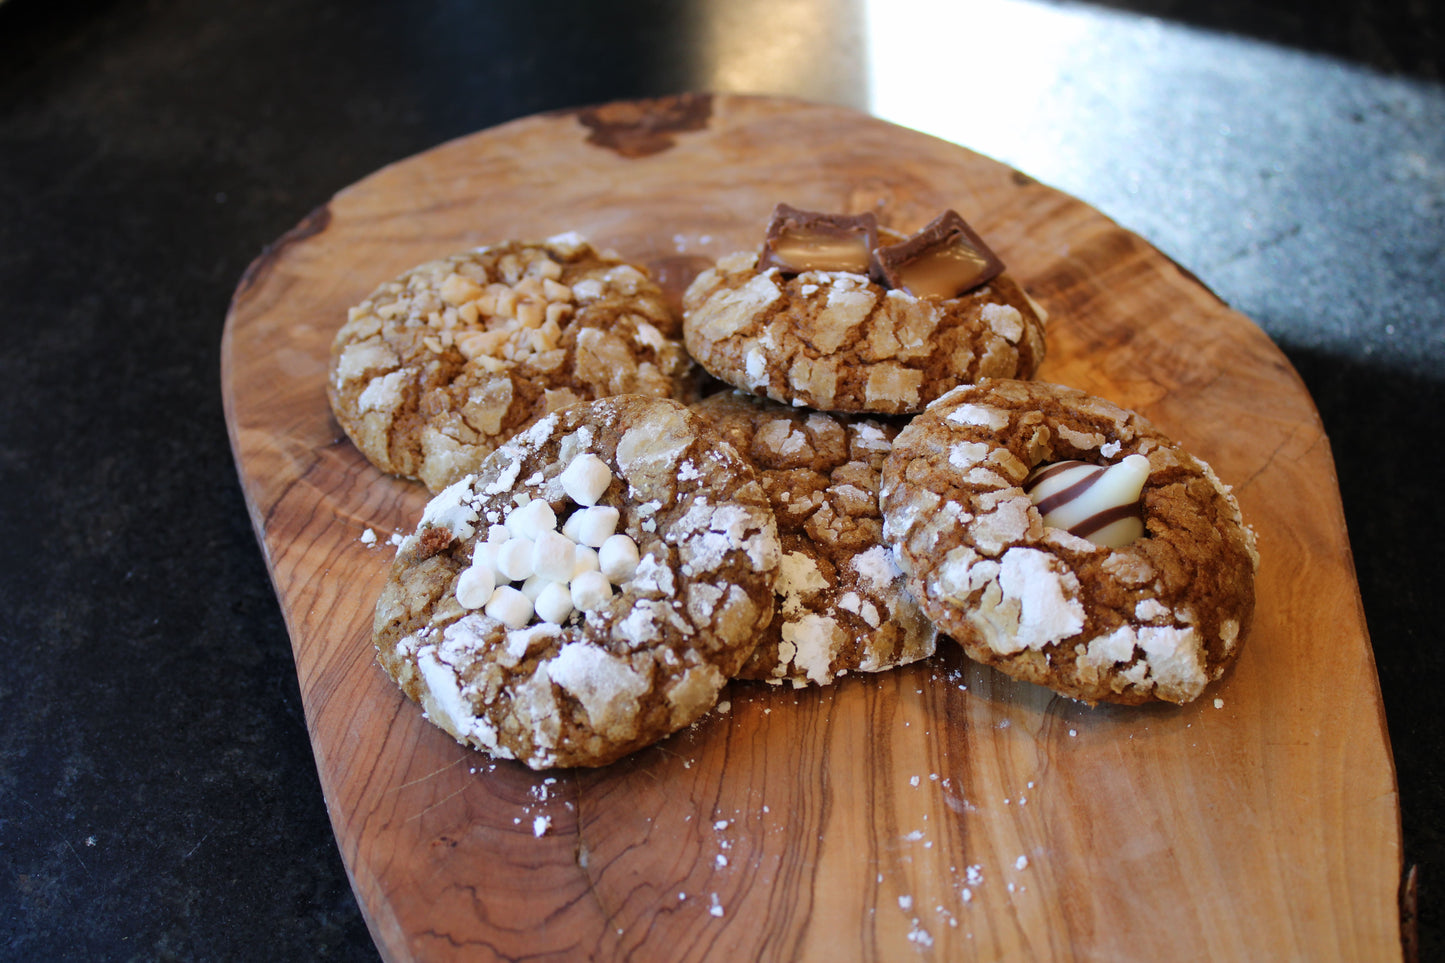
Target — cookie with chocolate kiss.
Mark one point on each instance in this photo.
(1158, 618)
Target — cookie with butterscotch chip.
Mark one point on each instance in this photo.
(437, 367)
(589, 590)
(842, 603)
(1156, 615)
(841, 341)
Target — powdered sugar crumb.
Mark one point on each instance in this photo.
(920, 935)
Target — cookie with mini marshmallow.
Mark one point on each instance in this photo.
(589, 590)
(1070, 542)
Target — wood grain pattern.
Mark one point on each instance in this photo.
(937, 812)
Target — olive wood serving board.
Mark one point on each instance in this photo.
(940, 811)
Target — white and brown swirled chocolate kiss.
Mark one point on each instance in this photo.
(1096, 502)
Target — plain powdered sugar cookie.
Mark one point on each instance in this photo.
(671, 551)
(437, 367)
(842, 603)
(1158, 618)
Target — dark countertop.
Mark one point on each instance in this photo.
(158, 798)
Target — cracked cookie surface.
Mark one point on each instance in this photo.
(1156, 619)
(644, 662)
(837, 341)
(439, 366)
(842, 602)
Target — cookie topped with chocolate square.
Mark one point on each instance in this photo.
(808, 320)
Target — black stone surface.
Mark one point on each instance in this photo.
(158, 799)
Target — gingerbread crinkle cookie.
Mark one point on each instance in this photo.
(838, 341)
(838, 314)
(589, 590)
(842, 602)
(436, 368)
(1157, 618)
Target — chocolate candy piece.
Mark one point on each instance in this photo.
(801, 241)
(1091, 501)
(944, 260)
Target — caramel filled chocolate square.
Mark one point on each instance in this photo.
(799, 241)
(944, 260)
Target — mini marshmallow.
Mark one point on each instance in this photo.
(591, 590)
(597, 524)
(584, 559)
(533, 587)
(475, 586)
(510, 607)
(498, 534)
(532, 519)
(554, 604)
(515, 559)
(485, 554)
(617, 558)
(553, 556)
(571, 525)
(586, 478)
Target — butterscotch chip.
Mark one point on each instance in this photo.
(1158, 618)
(837, 341)
(633, 662)
(437, 367)
(842, 603)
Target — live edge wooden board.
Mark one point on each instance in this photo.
(940, 812)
